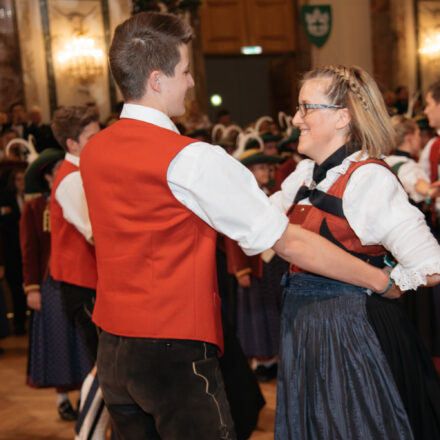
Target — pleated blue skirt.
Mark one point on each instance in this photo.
(259, 311)
(57, 353)
(334, 381)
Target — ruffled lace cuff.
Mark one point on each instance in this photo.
(410, 279)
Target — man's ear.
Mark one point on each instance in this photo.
(72, 146)
(344, 119)
(154, 80)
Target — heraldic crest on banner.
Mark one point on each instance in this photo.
(317, 22)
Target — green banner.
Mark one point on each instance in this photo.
(317, 22)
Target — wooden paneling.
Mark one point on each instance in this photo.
(271, 25)
(223, 26)
(227, 25)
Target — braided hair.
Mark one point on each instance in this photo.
(353, 88)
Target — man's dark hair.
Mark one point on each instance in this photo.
(434, 89)
(69, 122)
(15, 104)
(146, 42)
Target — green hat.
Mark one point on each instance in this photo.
(226, 143)
(254, 156)
(252, 144)
(34, 172)
(294, 136)
(270, 137)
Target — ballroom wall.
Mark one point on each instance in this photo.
(43, 28)
(379, 35)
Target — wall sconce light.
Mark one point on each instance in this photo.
(431, 45)
(81, 59)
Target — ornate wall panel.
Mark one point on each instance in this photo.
(11, 85)
(33, 56)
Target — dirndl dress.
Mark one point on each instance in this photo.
(58, 356)
(259, 311)
(351, 366)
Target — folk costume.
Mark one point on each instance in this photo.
(259, 306)
(12, 255)
(351, 365)
(73, 260)
(57, 355)
(73, 263)
(420, 306)
(157, 300)
(430, 163)
(409, 172)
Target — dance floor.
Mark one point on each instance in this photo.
(30, 414)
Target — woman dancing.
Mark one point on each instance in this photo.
(351, 365)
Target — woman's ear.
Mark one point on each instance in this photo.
(343, 119)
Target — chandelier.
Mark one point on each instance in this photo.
(431, 45)
(81, 60)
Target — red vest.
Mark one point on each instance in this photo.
(332, 226)
(434, 157)
(72, 258)
(156, 259)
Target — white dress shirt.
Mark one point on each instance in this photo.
(425, 163)
(218, 189)
(409, 173)
(72, 199)
(377, 209)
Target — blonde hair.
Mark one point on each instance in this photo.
(402, 126)
(353, 88)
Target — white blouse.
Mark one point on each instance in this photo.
(409, 173)
(377, 209)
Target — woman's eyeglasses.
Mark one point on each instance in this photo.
(303, 108)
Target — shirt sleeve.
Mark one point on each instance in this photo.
(222, 192)
(72, 199)
(409, 174)
(377, 208)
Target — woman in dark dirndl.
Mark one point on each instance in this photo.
(259, 290)
(57, 354)
(351, 364)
